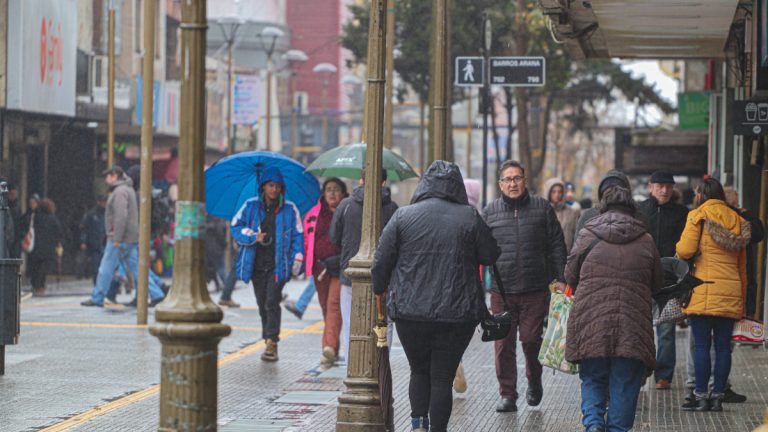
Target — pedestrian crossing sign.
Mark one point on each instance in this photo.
(469, 71)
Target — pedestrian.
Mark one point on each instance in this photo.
(614, 268)
(666, 220)
(26, 230)
(346, 231)
(298, 307)
(532, 255)
(323, 261)
(554, 190)
(48, 235)
(758, 235)
(93, 235)
(215, 247)
(121, 223)
(16, 219)
(427, 263)
(269, 232)
(610, 179)
(715, 238)
(229, 286)
(570, 196)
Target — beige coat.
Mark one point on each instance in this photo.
(567, 216)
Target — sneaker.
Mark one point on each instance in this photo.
(329, 356)
(90, 303)
(663, 384)
(596, 429)
(420, 424)
(270, 352)
(110, 300)
(460, 382)
(229, 303)
(731, 396)
(156, 301)
(689, 396)
(131, 304)
(290, 306)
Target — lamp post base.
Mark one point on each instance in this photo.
(360, 407)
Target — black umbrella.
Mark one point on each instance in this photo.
(678, 281)
(385, 372)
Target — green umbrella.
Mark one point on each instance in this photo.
(348, 161)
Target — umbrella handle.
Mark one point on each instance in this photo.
(381, 316)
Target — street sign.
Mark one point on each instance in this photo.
(469, 71)
(518, 71)
(750, 117)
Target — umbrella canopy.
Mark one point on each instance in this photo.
(349, 160)
(234, 179)
(678, 281)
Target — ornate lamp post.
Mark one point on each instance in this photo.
(188, 322)
(272, 34)
(325, 70)
(294, 57)
(359, 406)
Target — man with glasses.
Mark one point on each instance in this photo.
(533, 254)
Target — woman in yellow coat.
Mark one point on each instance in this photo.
(716, 237)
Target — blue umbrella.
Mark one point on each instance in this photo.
(234, 179)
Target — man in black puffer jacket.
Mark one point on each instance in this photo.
(428, 262)
(533, 254)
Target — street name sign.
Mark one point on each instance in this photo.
(518, 71)
(469, 71)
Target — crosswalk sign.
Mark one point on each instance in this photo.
(469, 71)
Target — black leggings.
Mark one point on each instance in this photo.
(37, 268)
(434, 351)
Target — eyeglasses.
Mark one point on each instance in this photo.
(515, 180)
(332, 190)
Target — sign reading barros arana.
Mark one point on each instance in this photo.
(750, 117)
(42, 54)
(518, 71)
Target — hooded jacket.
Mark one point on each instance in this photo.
(289, 237)
(122, 213)
(566, 215)
(430, 251)
(346, 226)
(593, 212)
(531, 240)
(611, 314)
(722, 264)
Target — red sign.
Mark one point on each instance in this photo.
(51, 53)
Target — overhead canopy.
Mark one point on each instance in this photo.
(653, 29)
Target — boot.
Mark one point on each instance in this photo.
(700, 404)
(420, 424)
(716, 402)
(270, 352)
(460, 382)
(535, 392)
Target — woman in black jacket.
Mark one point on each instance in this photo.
(428, 262)
(42, 259)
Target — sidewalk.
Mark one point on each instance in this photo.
(92, 369)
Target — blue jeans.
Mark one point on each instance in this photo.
(229, 285)
(306, 296)
(128, 254)
(705, 330)
(665, 351)
(610, 378)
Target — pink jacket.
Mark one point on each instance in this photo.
(310, 225)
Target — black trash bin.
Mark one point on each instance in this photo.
(10, 299)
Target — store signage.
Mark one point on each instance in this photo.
(750, 117)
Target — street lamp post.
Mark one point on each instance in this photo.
(111, 85)
(294, 57)
(440, 104)
(266, 33)
(188, 323)
(359, 406)
(325, 70)
(145, 189)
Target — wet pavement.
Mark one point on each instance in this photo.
(93, 369)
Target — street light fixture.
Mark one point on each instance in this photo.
(294, 57)
(266, 33)
(325, 70)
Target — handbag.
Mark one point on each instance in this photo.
(495, 326)
(672, 312)
(748, 331)
(28, 242)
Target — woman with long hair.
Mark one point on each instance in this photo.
(48, 233)
(715, 239)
